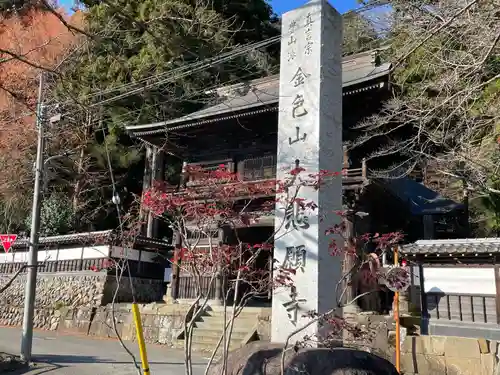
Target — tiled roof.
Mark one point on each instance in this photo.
(263, 94)
(101, 237)
(67, 239)
(469, 246)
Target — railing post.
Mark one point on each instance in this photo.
(184, 176)
(346, 158)
(364, 169)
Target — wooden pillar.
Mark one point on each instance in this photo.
(176, 266)
(157, 174)
(424, 325)
(428, 224)
(149, 226)
(146, 184)
(218, 280)
(465, 202)
(349, 259)
(184, 177)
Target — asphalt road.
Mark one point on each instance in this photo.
(74, 355)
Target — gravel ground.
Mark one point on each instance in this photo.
(55, 354)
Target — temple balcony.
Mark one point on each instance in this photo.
(261, 170)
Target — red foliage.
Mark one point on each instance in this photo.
(38, 37)
(211, 198)
(105, 264)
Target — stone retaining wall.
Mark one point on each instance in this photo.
(57, 290)
(70, 291)
(161, 323)
(437, 355)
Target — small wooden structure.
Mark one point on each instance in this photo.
(459, 285)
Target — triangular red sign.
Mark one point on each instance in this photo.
(7, 241)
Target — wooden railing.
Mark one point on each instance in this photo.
(462, 307)
(264, 168)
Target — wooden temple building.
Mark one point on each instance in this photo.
(239, 130)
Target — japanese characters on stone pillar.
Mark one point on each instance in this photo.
(309, 135)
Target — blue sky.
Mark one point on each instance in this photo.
(281, 6)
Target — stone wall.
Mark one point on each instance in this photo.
(71, 291)
(57, 290)
(146, 290)
(162, 323)
(437, 355)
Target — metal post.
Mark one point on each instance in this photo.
(29, 297)
(140, 339)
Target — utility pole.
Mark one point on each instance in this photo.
(29, 297)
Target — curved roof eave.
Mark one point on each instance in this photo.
(261, 98)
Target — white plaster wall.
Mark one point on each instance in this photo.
(460, 280)
(54, 255)
(90, 252)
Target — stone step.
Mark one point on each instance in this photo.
(199, 339)
(220, 324)
(237, 327)
(206, 347)
(219, 320)
(228, 316)
(235, 335)
(230, 312)
(246, 310)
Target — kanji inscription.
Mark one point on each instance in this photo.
(295, 217)
(298, 106)
(299, 78)
(298, 137)
(292, 41)
(308, 33)
(293, 306)
(295, 257)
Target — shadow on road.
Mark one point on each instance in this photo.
(46, 364)
(66, 359)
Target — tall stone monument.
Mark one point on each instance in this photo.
(310, 135)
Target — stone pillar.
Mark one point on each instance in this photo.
(310, 134)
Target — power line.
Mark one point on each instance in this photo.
(177, 73)
(185, 98)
